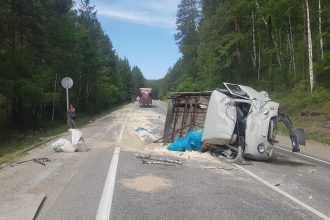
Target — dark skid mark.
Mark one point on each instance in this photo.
(285, 160)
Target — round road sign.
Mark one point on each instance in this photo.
(67, 82)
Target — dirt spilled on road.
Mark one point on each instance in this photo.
(146, 183)
(100, 144)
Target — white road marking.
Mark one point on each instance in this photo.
(304, 155)
(109, 128)
(132, 107)
(103, 212)
(121, 132)
(309, 208)
(104, 209)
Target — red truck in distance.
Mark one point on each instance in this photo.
(145, 96)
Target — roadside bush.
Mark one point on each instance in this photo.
(3, 111)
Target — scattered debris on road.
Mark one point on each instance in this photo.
(157, 162)
(147, 159)
(218, 168)
(63, 145)
(18, 206)
(312, 170)
(146, 134)
(143, 129)
(146, 183)
(192, 141)
(41, 161)
(77, 143)
(78, 140)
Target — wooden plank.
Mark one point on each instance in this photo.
(21, 206)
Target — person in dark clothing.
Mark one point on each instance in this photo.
(72, 116)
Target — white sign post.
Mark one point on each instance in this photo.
(67, 83)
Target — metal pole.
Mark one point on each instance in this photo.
(67, 105)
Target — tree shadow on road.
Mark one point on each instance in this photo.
(277, 159)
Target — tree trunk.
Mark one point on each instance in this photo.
(310, 49)
(320, 31)
(292, 47)
(305, 48)
(259, 60)
(270, 58)
(288, 52)
(273, 38)
(238, 47)
(55, 83)
(254, 44)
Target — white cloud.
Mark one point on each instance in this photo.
(160, 13)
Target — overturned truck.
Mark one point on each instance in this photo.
(238, 118)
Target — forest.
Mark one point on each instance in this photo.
(279, 46)
(274, 45)
(42, 42)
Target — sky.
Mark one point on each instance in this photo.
(142, 31)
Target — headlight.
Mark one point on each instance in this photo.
(261, 148)
(265, 112)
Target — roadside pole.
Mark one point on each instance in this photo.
(67, 83)
(67, 106)
(67, 100)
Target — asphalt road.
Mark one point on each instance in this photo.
(288, 187)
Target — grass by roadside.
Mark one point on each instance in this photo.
(17, 147)
(307, 110)
(20, 141)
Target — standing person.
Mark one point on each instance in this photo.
(72, 116)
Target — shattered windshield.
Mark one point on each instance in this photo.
(235, 90)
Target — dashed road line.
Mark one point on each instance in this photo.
(303, 155)
(132, 107)
(121, 132)
(309, 208)
(103, 212)
(104, 209)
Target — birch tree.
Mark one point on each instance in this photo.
(272, 37)
(320, 31)
(292, 46)
(310, 48)
(254, 56)
(267, 40)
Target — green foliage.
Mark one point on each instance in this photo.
(310, 111)
(138, 80)
(105, 96)
(188, 17)
(43, 41)
(189, 84)
(3, 113)
(261, 43)
(301, 101)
